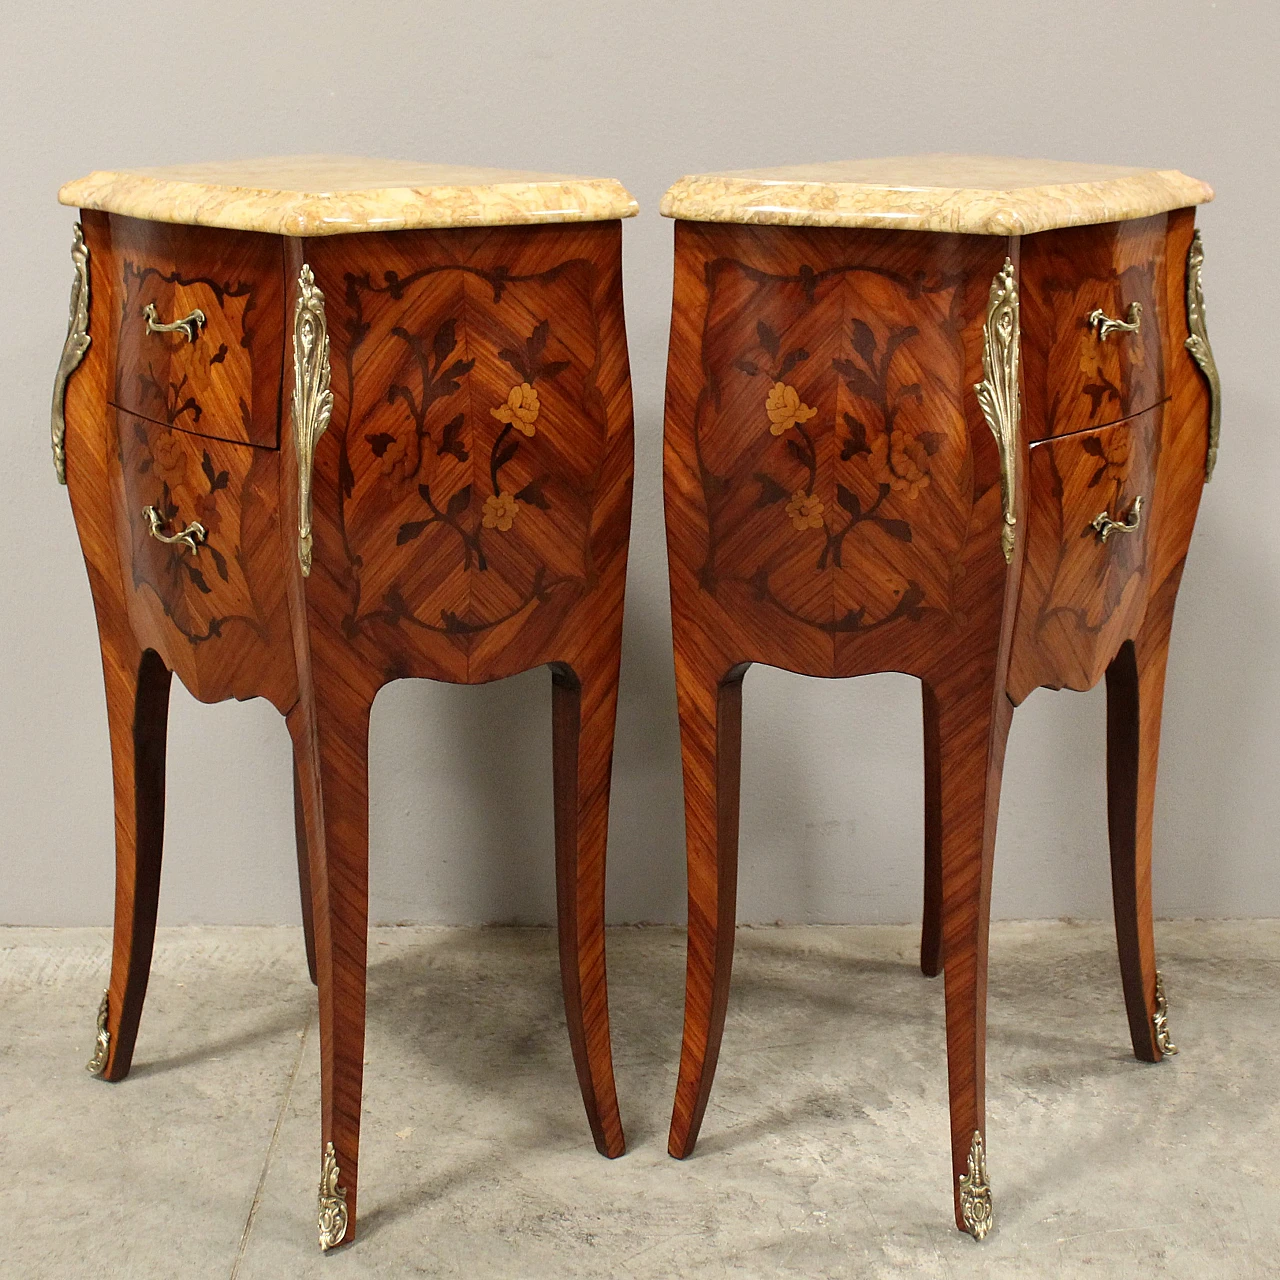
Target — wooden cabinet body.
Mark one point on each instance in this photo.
(918, 451)
(304, 467)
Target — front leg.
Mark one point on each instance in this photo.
(331, 749)
(584, 704)
(1135, 697)
(972, 716)
(137, 685)
(710, 707)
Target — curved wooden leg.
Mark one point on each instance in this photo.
(1135, 696)
(331, 748)
(711, 750)
(304, 874)
(138, 714)
(972, 728)
(931, 929)
(583, 712)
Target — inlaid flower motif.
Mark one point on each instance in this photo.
(805, 510)
(521, 408)
(500, 510)
(900, 461)
(395, 456)
(785, 408)
(206, 508)
(1116, 454)
(171, 458)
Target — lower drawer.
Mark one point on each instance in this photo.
(198, 534)
(1090, 501)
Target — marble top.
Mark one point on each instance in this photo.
(337, 195)
(977, 195)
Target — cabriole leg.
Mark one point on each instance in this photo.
(583, 710)
(710, 705)
(972, 728)
(332, 755)
(1135, 695)
(137, 685)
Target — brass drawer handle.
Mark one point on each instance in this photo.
(1105, 325)
(189, 326)
(1106, 526)
(191, 537)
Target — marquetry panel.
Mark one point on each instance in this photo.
(831, 439)
(225, 383)
(475, 407)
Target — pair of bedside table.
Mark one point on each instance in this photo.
(326, 424)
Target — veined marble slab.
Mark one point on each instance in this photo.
(976, 195)
(338, 195)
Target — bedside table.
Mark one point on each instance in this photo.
(948, 416)
(327, 423)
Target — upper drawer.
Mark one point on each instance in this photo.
(199, 330)
(1080, 372)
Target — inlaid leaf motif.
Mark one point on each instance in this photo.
(790, 360)
(411, 530)
(770, 490)
(451, 439)
(532, 495)
(769, 340)
(856, 441)
(864, 340)
(859, 381)
(219, 562)
(444, 341)
(460, 501)
(217, 480)
(899, 529)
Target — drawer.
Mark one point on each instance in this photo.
(198, 334)
(1080, 372)
(1084, 581)
(198, 533)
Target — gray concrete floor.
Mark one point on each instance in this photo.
(823, 1152)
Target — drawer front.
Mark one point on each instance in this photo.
(1084, 580)
(1081, 372)
(198, 533)
(217, 373)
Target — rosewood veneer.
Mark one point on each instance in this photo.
(948, 416)
(325, 424)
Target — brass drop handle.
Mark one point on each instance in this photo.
(1105, 325)
(191, 537)
(1106, 526)
(189, 326)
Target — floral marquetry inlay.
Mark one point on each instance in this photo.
(837, 368)
(520, 410)
(474, 431)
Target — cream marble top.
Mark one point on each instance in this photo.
(978, 195)
(337, 195)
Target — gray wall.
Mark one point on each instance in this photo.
(461, 824)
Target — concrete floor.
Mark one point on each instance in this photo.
(824, 1147)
